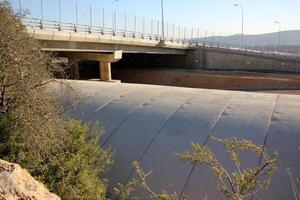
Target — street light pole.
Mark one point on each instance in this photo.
(279, 36)
(242, 35)
(162, 20)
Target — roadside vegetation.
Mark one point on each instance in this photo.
(61, 153)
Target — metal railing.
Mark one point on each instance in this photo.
(73, 27)
(121, 24)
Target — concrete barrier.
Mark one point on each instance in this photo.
(228, 60)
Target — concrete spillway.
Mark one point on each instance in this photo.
(150, 123)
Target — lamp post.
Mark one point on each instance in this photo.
(162, 21)
(279, 36)
(242, 35)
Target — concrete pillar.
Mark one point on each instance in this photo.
(196, 59)
(74, 68)
(105, 71)
(104, 60)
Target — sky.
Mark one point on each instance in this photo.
(220, 16)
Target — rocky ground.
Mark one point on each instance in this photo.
(17, 183)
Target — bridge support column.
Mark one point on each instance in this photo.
(74, 68)
(104, 59)
(105, 71)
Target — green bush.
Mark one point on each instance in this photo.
(84, 162)
(62, 154)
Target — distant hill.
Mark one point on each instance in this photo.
(287, 38)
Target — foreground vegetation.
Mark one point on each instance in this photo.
(237, 185)
(61, 153)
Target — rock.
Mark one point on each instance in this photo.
(17, 183)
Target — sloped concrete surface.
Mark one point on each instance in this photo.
(150, 123)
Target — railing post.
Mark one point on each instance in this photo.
(42, 12)
(173, 34)
(192, 34)
(115, 22)
(179, 33)
(198, 36)
(134, 33)
(205, 34)
(184, 32)
(143, 28)
(151, 28)
(219, 39)
(112, 21)
(167, 32)
(103, 20)
(125, 24)
(60, 20)
(212, 39)
(91, 19)
(21, 7)
(157, 37)
(76, 16)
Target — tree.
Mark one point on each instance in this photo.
(62, 153)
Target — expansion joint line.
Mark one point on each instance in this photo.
(267, 134)
(204, 143)
(127, 116)
(108, 102)
(268, 129)
(158, 132)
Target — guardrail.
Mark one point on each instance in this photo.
(73, 27)
(192, 42)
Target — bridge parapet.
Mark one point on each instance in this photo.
(45, 30)
(54, 40)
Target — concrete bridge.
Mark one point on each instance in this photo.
(106, 45)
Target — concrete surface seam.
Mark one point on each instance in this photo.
(108, 102)
(164, 124)
(204, 143)
(126, 117)
(268, 127)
